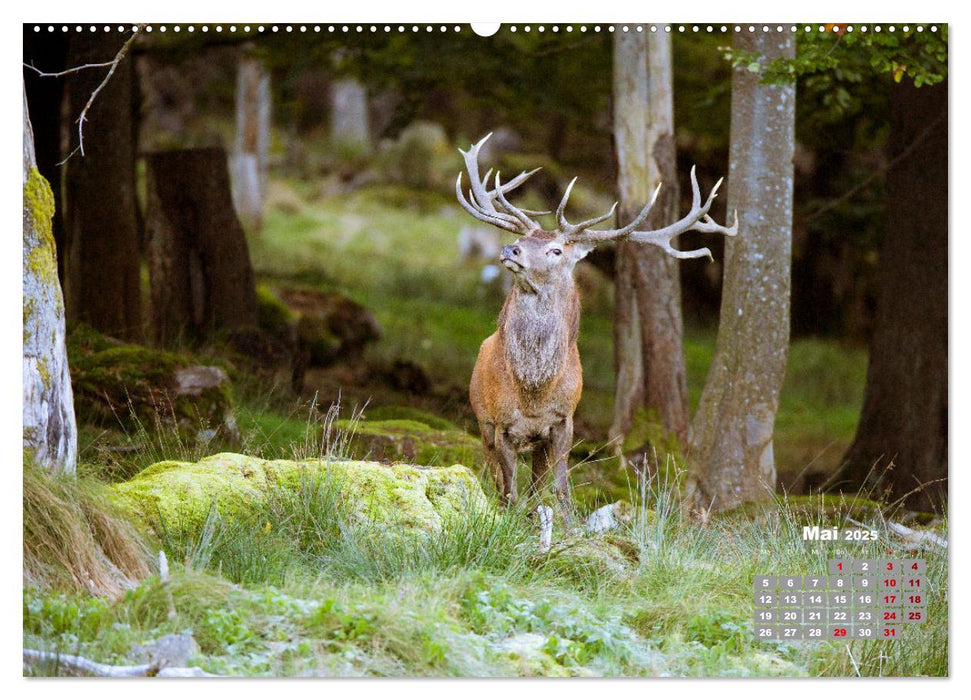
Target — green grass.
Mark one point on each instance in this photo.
(319, 597)
(291, 588)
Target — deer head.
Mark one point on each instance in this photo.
(540, 257)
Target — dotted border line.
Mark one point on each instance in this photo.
(444, 28)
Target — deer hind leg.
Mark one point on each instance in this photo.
(561, 439)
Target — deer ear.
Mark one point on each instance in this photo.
(578, 251)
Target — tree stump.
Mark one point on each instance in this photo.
(201, 276)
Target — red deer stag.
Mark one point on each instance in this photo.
(527, 379)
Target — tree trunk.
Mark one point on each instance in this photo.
(201, 275)
(901, 441)
(249, 159)
(731, 459)
(349, 128)
(648, 346)
(50, 431)
(102, 262)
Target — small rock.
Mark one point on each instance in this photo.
(192, 381)
(170, 650)
(608, 517)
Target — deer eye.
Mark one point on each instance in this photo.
(555, 251)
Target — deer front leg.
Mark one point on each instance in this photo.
(491, 458)
(505, 456)
(561, 439)
(542, 454)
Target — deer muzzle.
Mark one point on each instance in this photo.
(510, 257)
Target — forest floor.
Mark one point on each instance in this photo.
(471, 600)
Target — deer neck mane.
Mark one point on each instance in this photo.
(537, 331)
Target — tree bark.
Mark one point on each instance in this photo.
(249, 159)
(102, 263)
(201, 276)
(50, 431)
(900, 448)
(731, 458)
(648, 329)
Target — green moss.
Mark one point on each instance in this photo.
(273, 313)
(402, 497)
(39, 206)
(30, 307)
(45, 374)
(388, 413)
(411, 441)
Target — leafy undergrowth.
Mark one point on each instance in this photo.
(292, 589)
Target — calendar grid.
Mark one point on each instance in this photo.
(854, 599)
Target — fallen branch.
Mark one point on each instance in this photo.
(80, 666)
(911, 537)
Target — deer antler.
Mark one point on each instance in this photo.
(483, 201)
(482, 204)
(697, 219)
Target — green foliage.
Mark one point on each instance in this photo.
(850, 55)
(835, 66)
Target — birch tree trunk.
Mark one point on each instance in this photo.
(349, 128)
(50, 430)
(648, 333)
(102, 273)
(248, 162)
(731, 458)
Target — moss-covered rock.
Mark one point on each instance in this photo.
(403, 440)
(382, 413)
(583, 558)
(135, 386)
(326, 318)
(406, 498)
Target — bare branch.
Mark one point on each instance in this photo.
(76, 69)
(112, 65)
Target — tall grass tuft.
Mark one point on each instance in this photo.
(75, 539)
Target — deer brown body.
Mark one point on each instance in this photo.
(528, 379)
